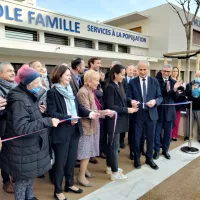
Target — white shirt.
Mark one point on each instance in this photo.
(141, 84)
(128, 79)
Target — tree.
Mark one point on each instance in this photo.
(187, 20)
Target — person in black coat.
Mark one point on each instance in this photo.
(2, 105)
(27, 157)
(193, 94)
(116, 100)
(167, 114)
(131, 72)
(62, 104)
(144, 91)
(78, 67)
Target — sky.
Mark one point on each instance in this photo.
(98, 9)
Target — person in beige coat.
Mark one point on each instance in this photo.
(89, 142)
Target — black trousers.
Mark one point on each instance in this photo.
(130, 136)
(103, 138)
(65, 160)
(139, 126)
(112, 153)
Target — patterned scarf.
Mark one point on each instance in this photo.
(8, 85)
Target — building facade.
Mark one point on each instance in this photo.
(30, 33)
(166, 33)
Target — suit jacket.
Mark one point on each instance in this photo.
(167, 113)
(153, 92)
(56, 108)
(125, 84)
(115, 100)
(86, 98)
(74, 84)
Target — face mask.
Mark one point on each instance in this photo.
(44, 75)
(196, 93)
(35, 90)
(197, 80)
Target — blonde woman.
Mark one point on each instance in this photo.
(89, 142)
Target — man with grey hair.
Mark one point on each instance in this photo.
(7, 82)
(116, 62)
(144, 92)
(167, 114)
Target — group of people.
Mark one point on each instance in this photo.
(68, 119)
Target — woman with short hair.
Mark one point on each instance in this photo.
(88, 145)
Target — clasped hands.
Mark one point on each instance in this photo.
(94, 115)
(150, 103)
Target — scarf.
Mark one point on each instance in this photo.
(68, 94)
(97, 101)
(6, 86)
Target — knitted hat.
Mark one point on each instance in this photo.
(26, 75)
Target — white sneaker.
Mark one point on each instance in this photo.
(108, 170)
(118, 177)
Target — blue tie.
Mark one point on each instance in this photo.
(144, 93)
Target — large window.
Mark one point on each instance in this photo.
(49, 68)
(196, 37)
(78, 42)
(56, 39)
(16, 66)
(20, 34)
(106, 46)
(123, 49)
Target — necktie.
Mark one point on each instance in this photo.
(144, 93)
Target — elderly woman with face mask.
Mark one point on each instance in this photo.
(26, 157)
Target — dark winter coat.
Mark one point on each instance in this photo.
(167, 113)
(116, 100)
(27, 157)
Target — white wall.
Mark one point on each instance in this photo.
(157, 27)
(37, 18)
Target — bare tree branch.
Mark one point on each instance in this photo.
(185, 12)
(189, 9)
(195, 14)
(176, 12)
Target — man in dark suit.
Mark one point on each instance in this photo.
(144, 92)
(167, 114)
(131, 72)
(77, 69)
